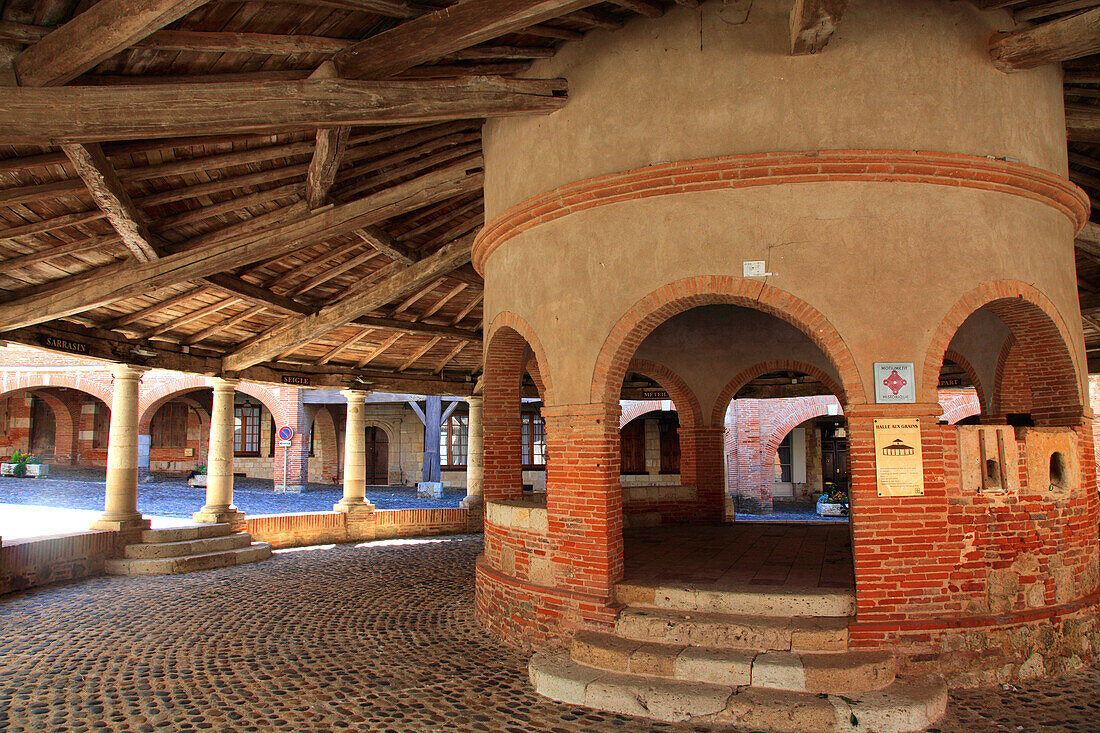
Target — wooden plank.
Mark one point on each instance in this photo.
(405, 304)
(22, 32)
(449, 357)
(98, 33)
(813, 23)
(194, 315)
(444, 300)
(1059, 40)
(429, 37)
(223, 325)
(331, 272)
(377, 351)
(94, 244)
(254, 43)
(107, 191)
(218, 252)
(490, 53)
(156, 308)
(89, 114)
(359, 301)
(467, 310)
(1082, 124)
(642, 7)
(48, 225)
(343, 346)
(387, 245)
(419, 353)
(328, 152)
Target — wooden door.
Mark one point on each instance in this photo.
(378, 457)
(834, 457)
(42, 428)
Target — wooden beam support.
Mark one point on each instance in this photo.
(430, 37)
(1059, 40)
(449, 357)
(94, 35)
(444, 300)
(377, 351)
(219, 251)
(387, 245)
(256, 43)
(223, 325)
(419, 353)
(335, 351)
(107, 191)
(813, 23)
(1082, 123)
(104, 245)
(49, 225)
(90, 114)
(359, 301)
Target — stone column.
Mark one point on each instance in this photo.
(120, 506)
(475, 459)
(355, 455)
(219, 463)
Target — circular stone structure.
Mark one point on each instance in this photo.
(908, 203)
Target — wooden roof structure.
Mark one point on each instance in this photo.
(287, 190)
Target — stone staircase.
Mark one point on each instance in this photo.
(768, 658)
(187, 549)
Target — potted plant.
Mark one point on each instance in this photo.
(24, 464)
(834, 502)
(198, 476)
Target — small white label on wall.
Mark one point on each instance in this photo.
(754, 268)
(895, 382)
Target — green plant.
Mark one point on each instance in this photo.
(200, 470)
(21, 460)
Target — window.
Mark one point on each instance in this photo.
(101, 425)
(168, 428)
(454, 437)
(533, 440)
(783, 457)
(246, 429)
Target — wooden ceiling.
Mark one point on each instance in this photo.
(287, 190)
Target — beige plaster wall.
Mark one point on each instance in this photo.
(980, 340)
(898, 74)
(884, 262)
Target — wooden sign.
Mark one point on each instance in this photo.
(899, 469)
(60, 344)
(654, 394)
(296, 380)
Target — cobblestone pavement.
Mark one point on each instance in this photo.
(373, 637)
(172, 497)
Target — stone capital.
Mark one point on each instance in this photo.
(223, 384)
(355, 395)
(127, 371)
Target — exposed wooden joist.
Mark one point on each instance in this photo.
(647, 8)
(335, 351)
(1082, 124)
(419, 353)
(467, 310)
(449, 358)
(102, 245)
(1059, 40)
(177, 321)
(1049, 9)
(813, 23)
(359, 301)
(377, 351)
(155, 308)
(387, 245)
(226, 42)
(222, 326)
(218, 252)
(429, 37)
(89, 114)
(98, 33)
(328, 151)
(489, 53)
(332, 272)
(107, 191)
(416, 296)
(50, 224)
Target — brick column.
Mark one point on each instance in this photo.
(584, 497)
(703, 465)
(475, 459)
(120, 505)
(355, 455)
(219, 462)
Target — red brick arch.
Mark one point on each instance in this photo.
(958, 405)
(324, 437)
(687, 404)
(965, 365)
(675, 298)
(636, 410)
(100, 388)
(64, 442)
(151, 401)
(1040, 332)
(540, 370)
(796, 413)
(718, 412)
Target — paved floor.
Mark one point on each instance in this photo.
(374, 637)
(793, 555)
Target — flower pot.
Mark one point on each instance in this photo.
(38, 470)
(826, 509)
(197, 481)
(7, 469)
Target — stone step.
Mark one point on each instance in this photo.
(905, 705)
(746, 600)
(830, 672)
(182, 534)
(176, 565)
(189, 547)
(730, 631)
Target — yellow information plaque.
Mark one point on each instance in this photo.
(898, 465)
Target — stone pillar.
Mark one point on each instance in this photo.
(475, 459)
(702, 465)
(219, 463)
(355, 455)
(120, 506)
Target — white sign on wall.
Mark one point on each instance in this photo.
(895, 382)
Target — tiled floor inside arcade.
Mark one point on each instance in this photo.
(376, 637)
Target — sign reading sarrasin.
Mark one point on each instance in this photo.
(898, 466)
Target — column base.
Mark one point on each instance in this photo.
(361, 506)
(475, 512)
(120, 523)
(473, 502)
(219, 515)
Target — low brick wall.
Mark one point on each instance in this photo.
(322, 528)
(41, 560)
(672, 503)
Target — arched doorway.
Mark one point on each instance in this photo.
(378, 456)
(43, 428)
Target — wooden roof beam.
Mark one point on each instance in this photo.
(419, 353)
(221, 251)
(343, 346)
(222, 326)
(387, 245)
(95, 35)
(103, 245)
(362, 299)
(432, 36)
(1059, 40)
(377, 351)
(449, 357)
(1082, 123)
(90, 114)
(813, 23)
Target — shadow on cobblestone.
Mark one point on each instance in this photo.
(377, 637)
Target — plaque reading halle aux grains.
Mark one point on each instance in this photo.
(898, 465)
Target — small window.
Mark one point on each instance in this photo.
(533, 440)
(1058, 471)
(783, 455)
(454, 438)
(246, 429)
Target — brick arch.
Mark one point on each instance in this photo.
(324, 427)
(964, 363)
(509, 320)
(722, 403)
(805, 408)
(64, 427)
(636, 410)
(1041, 334)
(675, 298)
(14, 381)
(151, 401)
(687, 404)
(270, 400)
(959, 404)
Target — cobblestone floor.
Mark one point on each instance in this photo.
(172, 497)
(375, 637)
